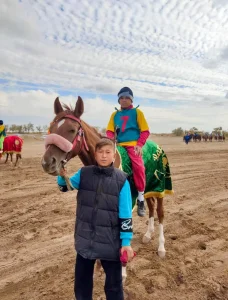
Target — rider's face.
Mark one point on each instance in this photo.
(125, 102)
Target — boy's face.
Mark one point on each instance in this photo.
(105, 156)
(125, 102)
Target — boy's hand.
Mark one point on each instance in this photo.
(138, 150)
(129, 250)
(63, 172)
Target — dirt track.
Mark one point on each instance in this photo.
(37, 223)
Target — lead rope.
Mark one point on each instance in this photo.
(84, 143)
(115, 137)
(67, 179)
(68, 183)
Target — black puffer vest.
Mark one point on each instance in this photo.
(97, 230)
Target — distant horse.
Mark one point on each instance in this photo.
(210, 137)
(197, 137)
(205, 137)
(220, 138)
(12, 144)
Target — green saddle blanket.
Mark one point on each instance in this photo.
(158, 177)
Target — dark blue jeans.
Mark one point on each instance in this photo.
(83, 283)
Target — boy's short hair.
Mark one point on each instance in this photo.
(104, 142)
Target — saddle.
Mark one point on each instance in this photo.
(158, 177)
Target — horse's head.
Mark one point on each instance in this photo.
(66, 137)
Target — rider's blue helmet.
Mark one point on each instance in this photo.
(125, 92)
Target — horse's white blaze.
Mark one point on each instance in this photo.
(161, 248)
(61, 123)
(150, 228)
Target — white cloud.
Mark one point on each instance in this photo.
(37, 107)
(220, 2)
(167, 50)
(16, 22)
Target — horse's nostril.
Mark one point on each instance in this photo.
(43, 163)
(49, 164)
(53, 161)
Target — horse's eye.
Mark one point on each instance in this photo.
(72, 131)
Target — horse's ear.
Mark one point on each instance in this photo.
(79, 107)
(57, 106)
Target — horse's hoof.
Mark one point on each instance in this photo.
(146, 239)
(161, 253)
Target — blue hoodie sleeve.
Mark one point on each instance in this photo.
(125, 214)
(75, 181)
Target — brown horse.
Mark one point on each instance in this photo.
(220, 137)
(197, 137)
(205, 137)
(69, 137)
(12, 144)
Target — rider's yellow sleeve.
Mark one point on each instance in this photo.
(143, 126)
(111, 125)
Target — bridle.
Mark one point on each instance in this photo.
(79, 137)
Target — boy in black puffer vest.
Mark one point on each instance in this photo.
(103, 227)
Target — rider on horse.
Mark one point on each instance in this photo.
(220, 133)
(2, 136)
(132, 132)
(187, 137)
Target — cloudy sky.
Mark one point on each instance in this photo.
(173, 54)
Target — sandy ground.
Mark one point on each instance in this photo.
(37, 222)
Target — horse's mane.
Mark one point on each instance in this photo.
(69, 109)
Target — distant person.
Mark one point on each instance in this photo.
(2, 136)
(220, 132)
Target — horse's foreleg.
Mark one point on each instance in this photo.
(11, 158)
(150, 229)
(160, 212)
